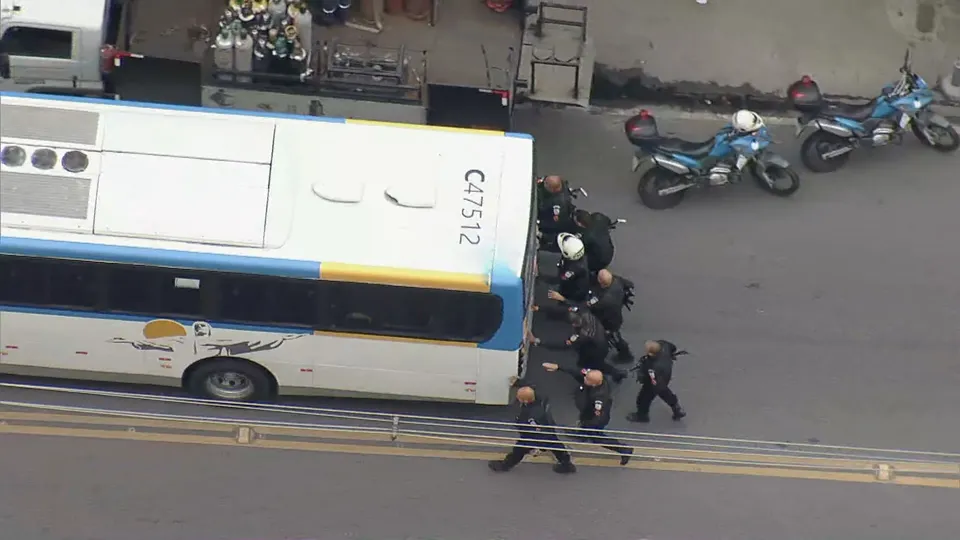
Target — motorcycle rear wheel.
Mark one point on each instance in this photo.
(942, 133)
(813, 148)
(652, 182)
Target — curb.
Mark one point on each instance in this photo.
(709, 101)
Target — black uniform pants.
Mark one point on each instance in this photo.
(648, 392)
(525, 445)
(615, 339)
(599, 436)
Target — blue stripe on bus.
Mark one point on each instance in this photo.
(32, 247)
(518, 135)
(187, 323)
(508, 286)
(170, 107)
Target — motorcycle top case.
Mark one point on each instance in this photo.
(641, 128)
(805, 95)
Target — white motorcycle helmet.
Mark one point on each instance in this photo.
(571, 247)
(746, 121)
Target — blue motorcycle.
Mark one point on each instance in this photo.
(840, 128)
(679, 165)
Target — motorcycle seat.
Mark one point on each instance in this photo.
(688, 148)
(853, 111)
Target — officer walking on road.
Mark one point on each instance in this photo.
(654, 373)
(594, 401)
(537, 430)
(589, 340)
(606, 300)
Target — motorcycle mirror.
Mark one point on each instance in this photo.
(621, 220)
(906, 59)
(583, 191)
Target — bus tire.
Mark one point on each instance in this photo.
(230, 379)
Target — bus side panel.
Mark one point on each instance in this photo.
(496, 368)
(70, 343)
(398, 368)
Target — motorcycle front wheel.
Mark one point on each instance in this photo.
(819, 143)
(650, 185)
(783, 182)
(945, 139)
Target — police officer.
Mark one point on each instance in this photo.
(655, 371)
(594, 401)
(606, 300)
(589, 340)
(554, 209)
(594, 230)
(573, 271)
(537, 431)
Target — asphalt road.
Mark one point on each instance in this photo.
(830, 317)
(109, 490)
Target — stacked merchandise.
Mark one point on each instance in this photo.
(263, 36)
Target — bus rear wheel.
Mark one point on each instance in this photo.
(229, 379)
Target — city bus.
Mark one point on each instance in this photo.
(244, 255)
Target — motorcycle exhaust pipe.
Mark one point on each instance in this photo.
(838, 152)
(674, 189)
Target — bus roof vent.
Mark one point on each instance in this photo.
(340, 192)
(416, 196)
(51, 124)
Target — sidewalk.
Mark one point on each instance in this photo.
(649, 48)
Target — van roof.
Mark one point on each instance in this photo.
(83, 14)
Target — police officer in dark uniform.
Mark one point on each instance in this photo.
(594, 230)
(554, 209)
(537, 430)
(606, 300)
(654, 373)
(573, 271)
(594, 401)
(589, 340)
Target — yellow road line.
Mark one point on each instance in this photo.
(481, 442)
(775, 472)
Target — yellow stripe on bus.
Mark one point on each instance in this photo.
(383, 275)
(425, 127)
(395, 339)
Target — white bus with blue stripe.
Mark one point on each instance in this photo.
(243, 255)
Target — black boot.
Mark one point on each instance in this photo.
(567, 467)
(499, 465)
(625, 457)
(678, 412)
(637, 417)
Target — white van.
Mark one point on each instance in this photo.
(52, 45)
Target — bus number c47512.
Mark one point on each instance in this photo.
(472, 207)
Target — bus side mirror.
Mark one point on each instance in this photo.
(4, 65)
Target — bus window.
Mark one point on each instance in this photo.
(74, 284)
(23, 281)
(268, 300)
(37, 42)
(180, 293)
(400, 311)
(133, 290)
(296, 302)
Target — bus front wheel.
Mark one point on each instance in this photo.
(229, 379)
